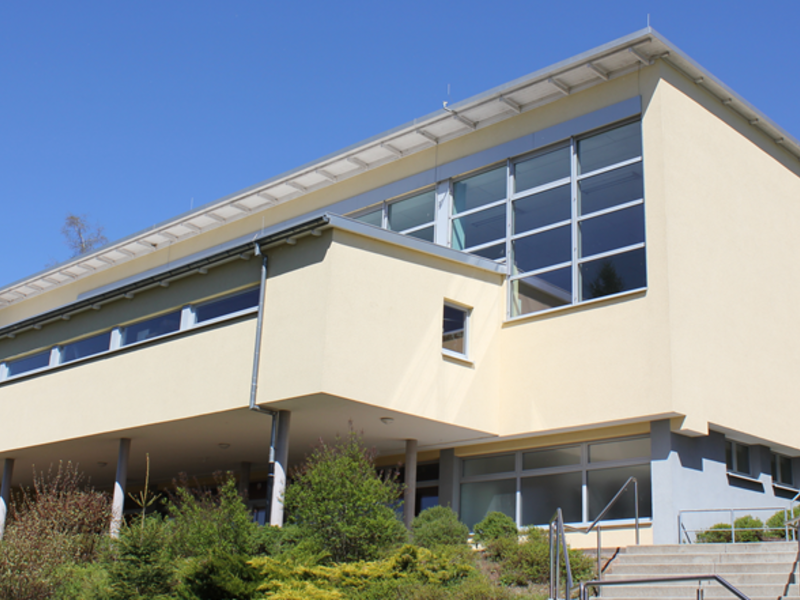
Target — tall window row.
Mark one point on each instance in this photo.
(529, 486)
(568, 220)
(184, 318)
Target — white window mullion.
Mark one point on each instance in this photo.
(574, 224)
(116, 339)
(187, 317)
(55, 356)
(509, 255)
(3, 372)
(441, 220)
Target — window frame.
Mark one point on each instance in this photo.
(467, 311)
(777, 478)
(383, 207)
(732, 467)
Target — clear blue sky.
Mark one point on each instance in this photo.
(132, 111)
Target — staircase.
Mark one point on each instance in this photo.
(762, 571)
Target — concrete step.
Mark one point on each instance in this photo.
(684, 558)
(748, 548)
(723, 569)
(710, 590)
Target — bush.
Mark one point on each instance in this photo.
(341, 504)
(60, 522)
(748, 529)
(494, 526)
(776, 524)
(529, 562)
(438, 526)
(219, 577)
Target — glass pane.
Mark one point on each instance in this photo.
(227, 306)
(785, 470)
(542, 169)
(372, 218)
(429, 472)
(422, 234)
(613, 274)
(543, 495)
(86, 347)
(479, 228)
(613, 230)
(542, 209)
(411, 212)
(729, 456)
(454, 328)
(552, 457)
(542, 291)
(609, 148)
(611, 188)
(742, 458)
(479, 190)
(479, 499)
(492, 252)
(426, 498)
(487, 465)
(29, 363)
(605, 483)
(151, 328)
(542, 249)
(619, 450)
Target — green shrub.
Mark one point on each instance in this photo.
(748, 529)
(776, 524)
(494, 526)
(438, 526)
(219, 577)
(341, 504)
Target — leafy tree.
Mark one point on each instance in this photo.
(341, 503)
(80, 236)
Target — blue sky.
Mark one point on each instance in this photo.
(133, 112)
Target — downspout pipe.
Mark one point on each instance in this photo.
(254, 380)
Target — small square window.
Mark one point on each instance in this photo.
(454, 330)
(737, 457)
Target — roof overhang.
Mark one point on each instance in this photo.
(595, 67)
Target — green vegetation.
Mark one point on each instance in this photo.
(203, 545)
(495, 526)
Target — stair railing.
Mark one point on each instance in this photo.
(585, 585)
(558, 542)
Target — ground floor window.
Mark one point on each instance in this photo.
(580, 479)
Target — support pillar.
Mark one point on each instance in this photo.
(278, 467)
(5, 493)
(449, 490)
(120, 484)
(244, 480)
(410, 494)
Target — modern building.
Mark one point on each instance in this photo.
(526, 297)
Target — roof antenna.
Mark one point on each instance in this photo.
(648, 20)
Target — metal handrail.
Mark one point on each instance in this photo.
(584, 586)
(787, 512)
(558, 520)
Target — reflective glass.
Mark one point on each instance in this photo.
(145, 330)
(782, 469)
(544, 208)
(729, 456)
(495, 252)
(540, 292)
(603, 484)
(422, 234)
(612, 230)
(29, 363)
(85, 347)
(613, 274)
(543, 495)
(619, 450)
(742, 458)
(542, 169)
(479, 228)
(411, 212)
(552, 457)
(542, 249)
(479, 190)
(487, 465)
(610, 188)
(372, 218)
(610, 147)
(479, 499)
(454, 329)
(227, 306)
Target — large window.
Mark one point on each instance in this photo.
(580, 479)
(567, 220)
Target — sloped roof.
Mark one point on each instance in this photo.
(607, 62)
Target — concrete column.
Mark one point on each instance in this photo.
(410, 494)
(278, 468)
(449, 479)
(244, 480)
(120, 484)
(5, 493)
